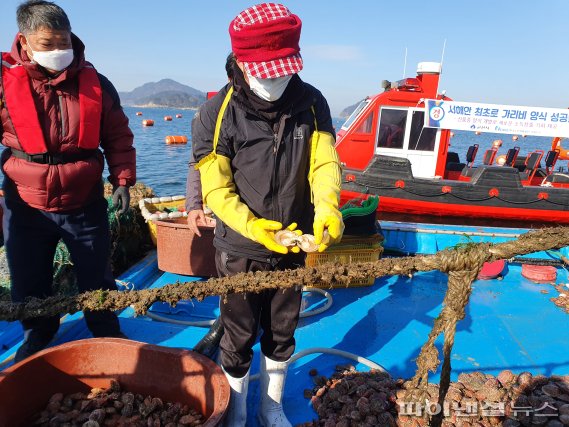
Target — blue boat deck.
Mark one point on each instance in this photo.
(510, 324)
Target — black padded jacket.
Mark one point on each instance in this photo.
(270, 162)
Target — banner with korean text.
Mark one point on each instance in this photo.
(495, 118)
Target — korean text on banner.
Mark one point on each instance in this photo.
(495, 118)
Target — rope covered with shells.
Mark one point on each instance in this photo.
(462, 264)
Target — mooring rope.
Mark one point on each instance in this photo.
(462, 264)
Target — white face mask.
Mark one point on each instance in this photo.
(268, 89)
(56, 60)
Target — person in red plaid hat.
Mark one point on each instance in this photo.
(265, 151)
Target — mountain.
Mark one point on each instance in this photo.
(165, 93)
(345, 113)
(171, 98)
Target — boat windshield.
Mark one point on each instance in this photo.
(355, 114)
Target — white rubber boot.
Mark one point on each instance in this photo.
(236, 414)
(271, 387)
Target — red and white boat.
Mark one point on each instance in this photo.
(386, 150)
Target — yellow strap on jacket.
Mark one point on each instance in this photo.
(217, 128)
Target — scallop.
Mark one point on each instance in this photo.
(286, 238)
(306, 243)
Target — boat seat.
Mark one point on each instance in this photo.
(453, 157)
(471, 155)
(468, 170)
(550, 160)
(453, 162)
(489, 156)
(520, 163)
(532, 166)
(455, 167)
(511, 156)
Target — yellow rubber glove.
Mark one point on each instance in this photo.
(292, 227)
(218, 191)
(325, 183)
(331, 221)
(263, 232)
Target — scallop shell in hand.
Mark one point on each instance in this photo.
(306, 243)
(286, 238)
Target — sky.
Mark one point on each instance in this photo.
(495, 51)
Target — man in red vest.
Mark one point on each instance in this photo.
(59, 120)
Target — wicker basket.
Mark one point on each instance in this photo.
(350, 249)
(180, 251)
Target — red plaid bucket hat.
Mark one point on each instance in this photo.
(265, 38)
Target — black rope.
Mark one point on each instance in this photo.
(537, 261)
(464, 199)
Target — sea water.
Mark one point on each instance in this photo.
(164, 167)
(160, 166)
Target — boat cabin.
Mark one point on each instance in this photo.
(391, 124)
(385, 150)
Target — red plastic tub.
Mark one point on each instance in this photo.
(174, 375)
(180, 251)
(491, 270)
(539, 273)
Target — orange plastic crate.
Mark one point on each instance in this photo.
(350, 249)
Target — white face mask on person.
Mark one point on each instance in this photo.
(56, 60)
(268, 89)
